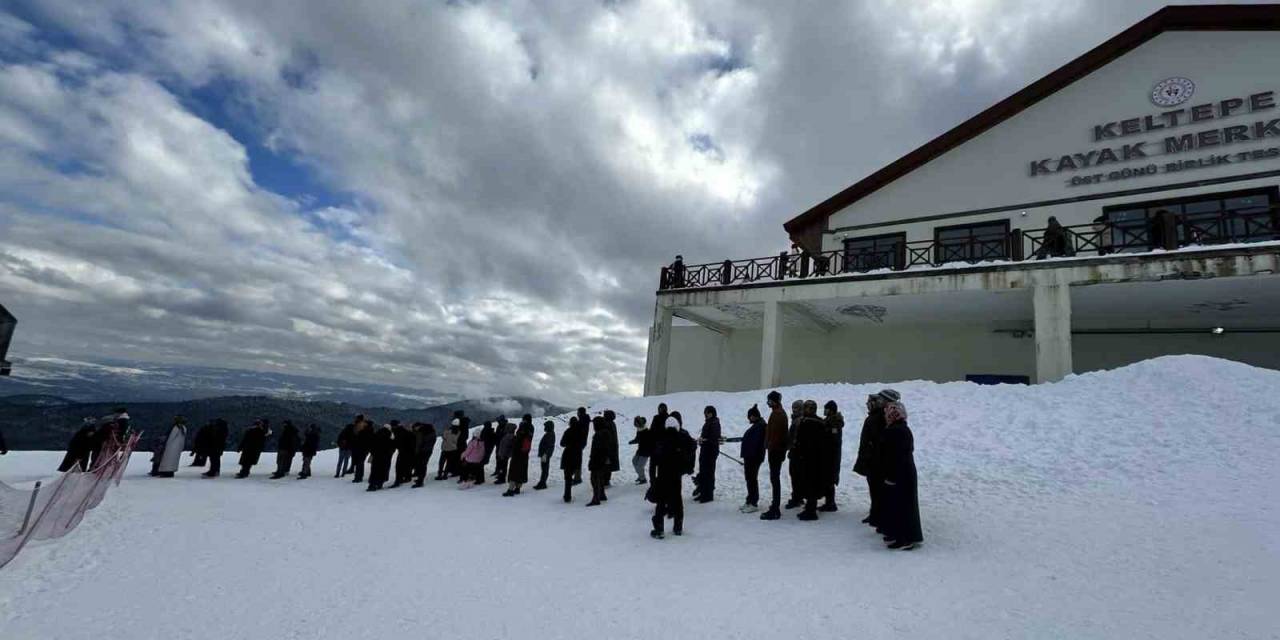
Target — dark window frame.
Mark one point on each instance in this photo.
(899, 255)
(1004, 234)
(1271, 194)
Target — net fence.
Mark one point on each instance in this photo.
(52, 509)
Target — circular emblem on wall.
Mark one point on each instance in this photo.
(1172, 92)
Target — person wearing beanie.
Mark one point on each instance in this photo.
(656, 425)
(217, 445)
(571, 454)
(170, 454)
(777, 441)
(809, 461)
(902, 518)
(644, 449)
(889, 395)
(343, 442)
(426, 440)
(797, 412)
(752, 454)
(673, 454)
(584, 424)
(708, 455)
(546, 447)
(489, 436)
(866, 464)
(834, 423)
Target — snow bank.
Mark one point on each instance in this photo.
(1135, 503)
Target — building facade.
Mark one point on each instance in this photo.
(1125, 206)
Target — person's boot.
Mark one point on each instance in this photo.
(808, 515)
(749, 508)
(794, 503)
(508, 493)
(540, 486)
(867, 520)
(594, 503)
(771, 514)
(678, 528)
(828, 507)
(656, 534)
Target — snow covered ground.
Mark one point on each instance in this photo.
(1137, 503)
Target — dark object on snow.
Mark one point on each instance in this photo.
(7, 324)
(79, 449)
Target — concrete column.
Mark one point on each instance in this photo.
(771, 349)
(655, 370)
(1053, 332)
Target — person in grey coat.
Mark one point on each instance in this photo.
(506, 446)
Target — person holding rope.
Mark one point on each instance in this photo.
(673, 456)
(777, 442)
(752, 452)
(708, 453)
(546, 447)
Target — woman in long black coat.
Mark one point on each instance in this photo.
(866, 465)
(604, 454)
(380, 453)
(406, 443)
(571, 455)
(518, 465)
(251, 445)
(902, 518)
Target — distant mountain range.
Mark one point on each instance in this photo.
(45, 400)
(34, 421)
(115, 381)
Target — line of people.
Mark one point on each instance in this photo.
(810, 445)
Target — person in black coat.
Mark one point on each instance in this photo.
(381, 449)
(361, 445)
(1056, 241)
(643, 441)
(546, 448)
(793, 467)
(4, 446)
(602, 459)
(866, 464)
(343, 442)
(406, 453)
(200, 447)
(426, 441)
(571, 455)
(833, 448)
(708, 454)
(489, 436)
(80, 447)
(897, 460)
(215, 446)
(673, 454)
(286, 448)
(310, 446)
(809, 460)
(611, 427)
(518, 464)
(752, 452)
(584, 423)
(252, 443)
(656, 426)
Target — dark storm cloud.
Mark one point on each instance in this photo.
(517, 172)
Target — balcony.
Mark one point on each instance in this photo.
(1168, 232)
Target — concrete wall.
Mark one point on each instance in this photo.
(992, 170)
(702, 360)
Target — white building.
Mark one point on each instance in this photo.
(1159, 151)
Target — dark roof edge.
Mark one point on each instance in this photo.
(1218, 17)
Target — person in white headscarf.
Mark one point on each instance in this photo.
(170, 456)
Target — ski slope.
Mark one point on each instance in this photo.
(1136, 503)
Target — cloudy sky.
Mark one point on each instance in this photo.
(473, 197)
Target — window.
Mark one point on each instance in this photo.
(874, 252)
(1237, 216)
(972, 242)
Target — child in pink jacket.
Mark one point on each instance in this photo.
(473, 462)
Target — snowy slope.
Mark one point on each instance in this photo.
(1137, 503)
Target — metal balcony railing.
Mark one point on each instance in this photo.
(1168, 231)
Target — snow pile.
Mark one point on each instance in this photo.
(1133, 503)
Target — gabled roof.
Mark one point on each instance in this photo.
(806, 229)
